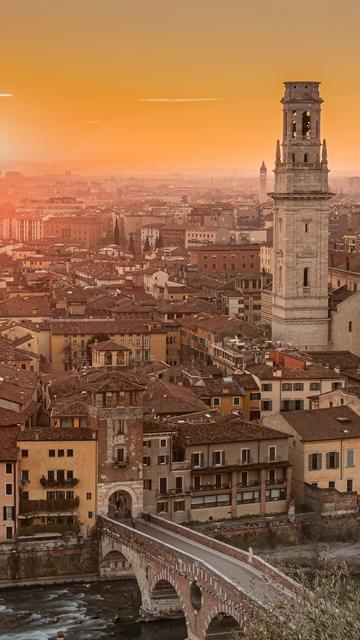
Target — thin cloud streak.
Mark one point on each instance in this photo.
(180, 100)
(6, 95)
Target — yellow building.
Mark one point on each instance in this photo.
(324, 450)
(70, 341)
(58, 480)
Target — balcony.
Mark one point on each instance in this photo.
(171, 492)
(180, 465)
(59, 529)
(30, 507)
(121, 463)
(250, 483)
(62, 483)
(248, 460)
(275, 481)
(211, 487)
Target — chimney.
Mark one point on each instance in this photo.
(337, 369)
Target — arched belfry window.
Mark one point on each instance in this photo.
(306, 277)
(306, 124)
(293, 124)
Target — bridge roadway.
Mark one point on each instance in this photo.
(247, 577)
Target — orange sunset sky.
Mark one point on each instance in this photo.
(81, 73)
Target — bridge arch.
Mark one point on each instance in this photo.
(223, 626)
(165, 593)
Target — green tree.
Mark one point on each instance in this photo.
(325, 608)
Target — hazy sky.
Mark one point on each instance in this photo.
(82, 72)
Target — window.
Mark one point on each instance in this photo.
(254, 415)
(272, 495)
(298, 386)
(8, 489)
(306, 227)
(178, 484)
(146, 461)
(9, 533)
(350, 458)
(197, 460)
(247, 497)
(147, 443)
(292, 405)
(306, 124)
(350, 326)
(236, 402)
(179, 505)
(147, 484)
(8, 513)
(266, 386)
(306, 277)
(271, 476)
(315, 461)
(24, 453)
(293, 125)
(88, 496)
(349, 485)
(286, 386)
(120, 456)
(245, 456)
(272, 453)
(332, 460)
(244, 478)
(266, 405)
(8, 467)
(218, 458)
(163, 485)
(61, 453)
(163, 443)
(162, 507)
(315, 386)
(69, 453)
(162, 459)
(255, 396)
(24, 476)
(332, 484)
(90, 514)
(216, 402)
(51, 453)
(305, 157)
(336, 385)
(206, 502)
(120, 427)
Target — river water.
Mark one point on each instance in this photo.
(88, 611)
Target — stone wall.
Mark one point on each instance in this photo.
(32, 559)
(328, 501)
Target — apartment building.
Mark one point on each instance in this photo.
(8, 482)
(57, 480)
(324, 449)
(203, 468)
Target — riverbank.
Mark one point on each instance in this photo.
(312, 556)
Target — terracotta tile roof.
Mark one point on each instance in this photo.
(333, 423)
(342, 359)
(312, 372)
(8, 449)
(25, 306)
(226, 429)
(90, 327)
(166, 398)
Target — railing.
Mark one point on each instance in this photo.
(251, 483)
(210, 487)
(64, 482)
(121, 463)
(180, 465)
(276, 481)
(34, 529)
(249, 460)
(171, 492)
(51, 506)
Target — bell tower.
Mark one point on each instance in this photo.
(301, 223)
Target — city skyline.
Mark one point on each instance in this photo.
(156, 87)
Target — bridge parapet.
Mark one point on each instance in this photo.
(270, 572)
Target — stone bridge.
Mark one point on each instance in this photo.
(181, 572)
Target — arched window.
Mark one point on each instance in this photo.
(305, 157)
(293, 157)
(350, 326)
(306, 277)
(293, 124)
(306, 124)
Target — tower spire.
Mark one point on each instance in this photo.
(277, 153)
(324, 152)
